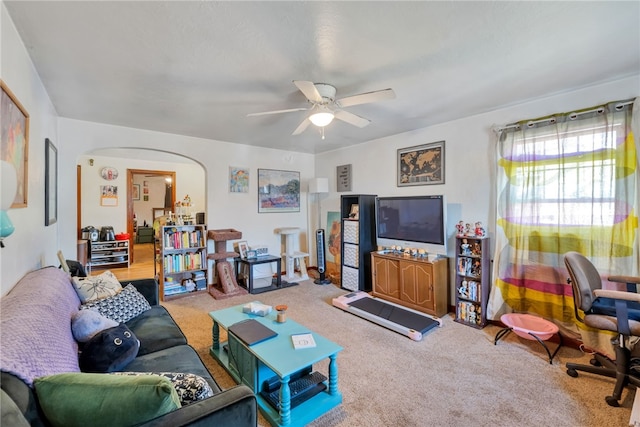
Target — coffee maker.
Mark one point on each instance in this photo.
(107, 234)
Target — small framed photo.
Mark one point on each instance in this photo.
(355, 212)
(252, 254)
(243, 248)
(135, 193)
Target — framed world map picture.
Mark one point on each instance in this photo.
(421, 164)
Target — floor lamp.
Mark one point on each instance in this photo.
(319, 186)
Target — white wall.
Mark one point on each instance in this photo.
(190, 180)
(469, 157)
(156, 193)
(223, 209)
(32, 245)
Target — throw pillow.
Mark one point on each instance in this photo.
(110, 350)
(98, 400)
(96, 287)
(85, 324)
(121, 307)
(190, 387)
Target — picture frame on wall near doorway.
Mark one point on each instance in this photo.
(135, 193)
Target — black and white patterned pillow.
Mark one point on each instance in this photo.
(190, 387)
(121, 307)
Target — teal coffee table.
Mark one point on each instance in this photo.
(276, 360)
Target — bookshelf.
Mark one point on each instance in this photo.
(181, 259)
(472, 280)
(358, 240)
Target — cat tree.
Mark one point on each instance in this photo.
(226, 285)
(292, 255)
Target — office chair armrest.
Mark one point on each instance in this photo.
(624, 295)
(624, 279)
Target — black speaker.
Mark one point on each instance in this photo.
(322, 262)
(200, 218)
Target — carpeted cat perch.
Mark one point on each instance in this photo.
(226, 285)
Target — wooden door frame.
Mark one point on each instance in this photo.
(130, 174)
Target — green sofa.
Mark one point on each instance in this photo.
(37, 341)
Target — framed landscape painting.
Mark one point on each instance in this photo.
(421, 165)
(278, 191)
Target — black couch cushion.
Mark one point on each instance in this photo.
(156, 330)
(182, 358)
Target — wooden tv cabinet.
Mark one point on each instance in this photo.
(416, 283)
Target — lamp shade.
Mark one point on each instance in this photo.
(8, 185)
(321, 119)
(6, 226)
(319, 185)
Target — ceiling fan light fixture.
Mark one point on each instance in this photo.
(321, 118)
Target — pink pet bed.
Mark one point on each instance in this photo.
(529, 327)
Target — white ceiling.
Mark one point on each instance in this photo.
(198, 68)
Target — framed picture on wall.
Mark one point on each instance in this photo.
(278, 191)
(14, 123)
(238, 179)
(135, 193)
(108, 195)
(50, 183)
(421, 165)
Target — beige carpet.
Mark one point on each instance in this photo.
(455, 376)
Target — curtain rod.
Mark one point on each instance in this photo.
(571, 116)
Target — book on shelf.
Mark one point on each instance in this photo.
(303, 341)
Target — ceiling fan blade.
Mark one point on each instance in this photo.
(366, 98)
(352, 119)
(301, 128)
(309, 90)
(289, 110)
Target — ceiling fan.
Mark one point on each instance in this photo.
(325, 107)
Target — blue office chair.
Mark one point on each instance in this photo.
(608, 310)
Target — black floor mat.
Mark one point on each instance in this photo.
(394, 314)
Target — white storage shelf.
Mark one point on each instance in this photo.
(111, 253)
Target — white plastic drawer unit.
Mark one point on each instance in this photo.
(350, 255)
(350, 231)
(350, 278)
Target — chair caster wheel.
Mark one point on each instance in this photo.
(594, 362)
(572, 373)
(612, 402)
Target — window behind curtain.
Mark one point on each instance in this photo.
(567, 182)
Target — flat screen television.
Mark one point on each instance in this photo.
(418, 219)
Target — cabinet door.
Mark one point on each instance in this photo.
(424, 291)
(385, 280)
(417, 284)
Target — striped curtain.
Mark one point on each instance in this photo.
(567, 182)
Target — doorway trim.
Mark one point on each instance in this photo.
(130, 174)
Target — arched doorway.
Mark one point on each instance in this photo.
(188, 178)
